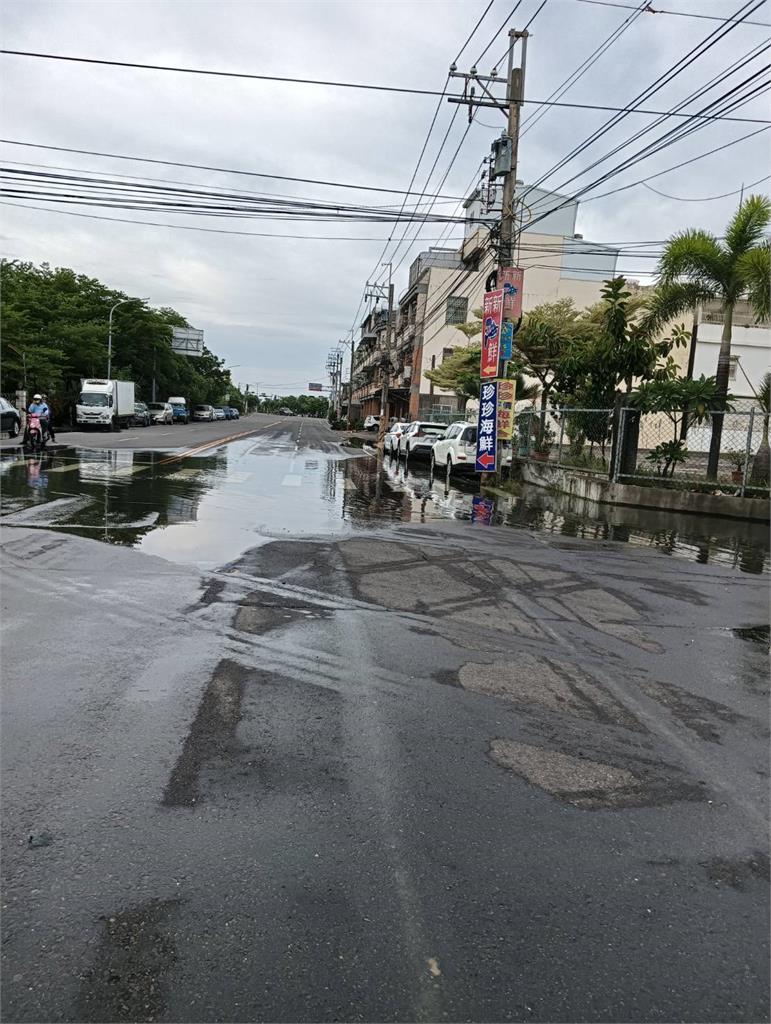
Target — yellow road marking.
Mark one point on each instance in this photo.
(215, 444)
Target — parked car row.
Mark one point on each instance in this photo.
(449, 448)
(209, 413)
(176, 411)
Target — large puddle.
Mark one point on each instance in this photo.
(207, 510)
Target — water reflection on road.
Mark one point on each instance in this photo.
(209, 509)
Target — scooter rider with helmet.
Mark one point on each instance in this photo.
(40, 408)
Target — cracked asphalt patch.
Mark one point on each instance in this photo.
(549, 684)
(588, 783)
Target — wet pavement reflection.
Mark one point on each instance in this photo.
(209, 509)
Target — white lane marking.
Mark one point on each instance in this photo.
(292, 480)
(166, 433)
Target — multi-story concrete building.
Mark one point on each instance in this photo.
(369, 363)
(446, 285)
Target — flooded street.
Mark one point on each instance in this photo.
(208, 508)
(287, 737)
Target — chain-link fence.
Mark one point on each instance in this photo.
(578, 438)
(668, 449)
(674, 449)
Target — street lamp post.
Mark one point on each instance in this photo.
(120, 302)
(109, 336)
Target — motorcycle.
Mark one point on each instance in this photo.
(35, 436)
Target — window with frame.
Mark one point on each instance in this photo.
(457, 310)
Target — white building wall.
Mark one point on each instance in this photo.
(752, 346)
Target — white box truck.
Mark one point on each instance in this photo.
(105, 403)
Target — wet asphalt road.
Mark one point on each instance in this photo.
(160, 436)
(293, 744)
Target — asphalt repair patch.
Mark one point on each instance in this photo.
(588, 783)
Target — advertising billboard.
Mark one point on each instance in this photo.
(187, 341)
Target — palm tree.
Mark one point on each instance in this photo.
(697, 267)
(761, 464)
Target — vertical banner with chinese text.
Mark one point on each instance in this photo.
(511, 280)
(491, 334)
(506, 392)
(487, 428)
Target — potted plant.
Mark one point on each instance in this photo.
(737, 460)
(543, 444)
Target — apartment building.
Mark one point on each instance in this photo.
(370, 363)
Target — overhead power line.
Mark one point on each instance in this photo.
(196, 227)
(697, 51)
(705, 199)
(650, 9)
(680, 130)
(408, 90)
(218, 170)
(675, 167)
(582, 68)
(379, 263)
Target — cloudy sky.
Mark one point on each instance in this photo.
(274, 306)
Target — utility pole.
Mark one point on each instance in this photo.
(383, 428)
(505, 152)
(377, 292)
(514, 98)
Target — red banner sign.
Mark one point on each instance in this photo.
(491, 333)
(511, 280)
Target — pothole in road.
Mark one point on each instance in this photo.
(259, 614)
(755, 634)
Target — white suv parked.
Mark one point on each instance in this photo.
(456, 449)
(418, 438)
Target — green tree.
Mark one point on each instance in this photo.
(696, 266)
(54, 332)
(548, 333)
(460, 373)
